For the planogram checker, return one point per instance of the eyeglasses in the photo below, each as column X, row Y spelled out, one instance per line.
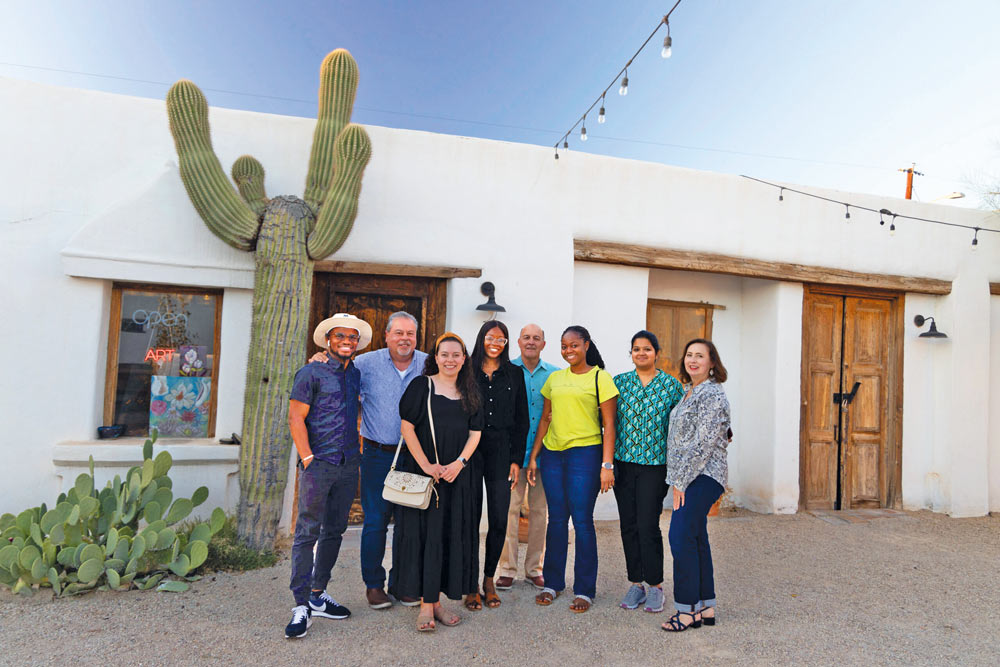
column 495, row 341
column 354, row 338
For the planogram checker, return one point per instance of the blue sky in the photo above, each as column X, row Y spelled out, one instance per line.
column 833, row 94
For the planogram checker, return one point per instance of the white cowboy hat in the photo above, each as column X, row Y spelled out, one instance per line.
column 348, row 322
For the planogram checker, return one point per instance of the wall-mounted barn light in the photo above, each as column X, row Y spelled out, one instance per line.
column 488, row 290
column 933, row 332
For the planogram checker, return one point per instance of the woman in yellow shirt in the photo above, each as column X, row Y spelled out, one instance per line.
column 576, row 462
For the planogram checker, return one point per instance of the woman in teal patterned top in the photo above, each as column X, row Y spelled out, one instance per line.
column 647, row 395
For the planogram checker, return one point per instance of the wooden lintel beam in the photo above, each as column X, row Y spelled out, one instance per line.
column 412, row 270
column 995, row 289
column 606, row 252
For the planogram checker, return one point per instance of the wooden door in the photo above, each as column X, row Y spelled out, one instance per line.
column 374, row 298
column 675, row 323
column 851, row 400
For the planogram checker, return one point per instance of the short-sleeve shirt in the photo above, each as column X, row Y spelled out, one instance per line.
column 382, row 385
column 574, row 407
column 331, row 391
column 533, row 383
column 644, row 416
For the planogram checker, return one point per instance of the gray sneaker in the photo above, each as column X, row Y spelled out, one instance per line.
column 654, row 600
column 635, row 596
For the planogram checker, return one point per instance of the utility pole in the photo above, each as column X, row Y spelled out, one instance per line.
column 909, row 179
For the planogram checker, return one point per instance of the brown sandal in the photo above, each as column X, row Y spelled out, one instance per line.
column 446, row 617
column 473, row 602
column 425, row 623
column 580, row 604
column 546, row 597
column 491, row 598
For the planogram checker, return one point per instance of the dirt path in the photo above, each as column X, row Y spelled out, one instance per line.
column 915, row 589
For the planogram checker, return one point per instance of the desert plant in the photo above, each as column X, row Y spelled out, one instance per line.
column 286, row 236
column 118, row 537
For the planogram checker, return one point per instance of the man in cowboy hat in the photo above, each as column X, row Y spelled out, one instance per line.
column 323, row 418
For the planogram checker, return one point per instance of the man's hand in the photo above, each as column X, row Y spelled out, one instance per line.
column 515, row 471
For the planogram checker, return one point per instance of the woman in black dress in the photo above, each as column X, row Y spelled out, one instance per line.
column 501, row 451
column 435, row 550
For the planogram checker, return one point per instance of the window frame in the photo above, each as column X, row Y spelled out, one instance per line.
column 114, row 338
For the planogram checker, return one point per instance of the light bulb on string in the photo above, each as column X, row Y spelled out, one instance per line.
column 557, row 151
column 667, row 43
column 975, row 240
column 881, row 213
column 623, row 91
column 781, row 194
column 892, row 226
column 600, row 114
column 583, row 130
column 847, row 212
column 565, row 145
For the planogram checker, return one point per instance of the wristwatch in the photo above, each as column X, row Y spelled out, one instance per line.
column 463, row 461
column 608, row 466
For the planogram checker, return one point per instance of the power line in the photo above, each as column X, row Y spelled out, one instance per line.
column 882, row 212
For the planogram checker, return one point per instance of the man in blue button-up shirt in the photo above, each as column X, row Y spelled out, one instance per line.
column 323, row 419
column 531, row 341
column 385, row 374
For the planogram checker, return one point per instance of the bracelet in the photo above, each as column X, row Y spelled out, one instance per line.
column 307, row 458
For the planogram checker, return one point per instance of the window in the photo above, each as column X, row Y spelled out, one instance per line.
column 163, row 350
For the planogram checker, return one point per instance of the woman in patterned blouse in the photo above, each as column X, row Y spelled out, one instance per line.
column 646, row 396
column 696, row 468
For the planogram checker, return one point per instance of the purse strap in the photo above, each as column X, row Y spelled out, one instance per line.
column 430, row 417
column 597, row 390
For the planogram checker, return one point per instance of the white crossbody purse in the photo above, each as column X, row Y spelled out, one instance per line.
column 410, row 489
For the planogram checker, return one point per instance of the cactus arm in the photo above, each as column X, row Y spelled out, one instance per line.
column 338, row 84
column 336, row 217
column 213, row 196
column 248, row 173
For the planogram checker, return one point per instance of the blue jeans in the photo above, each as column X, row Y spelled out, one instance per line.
column 375, row 464
column 326, row 492
column 572, row 480
column 694, row 578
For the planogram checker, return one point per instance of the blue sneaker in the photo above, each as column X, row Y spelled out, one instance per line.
column 301, row 620
column 635, row 596
column 325, row 606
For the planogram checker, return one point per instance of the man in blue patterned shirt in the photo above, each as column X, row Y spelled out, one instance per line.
column 323, row 419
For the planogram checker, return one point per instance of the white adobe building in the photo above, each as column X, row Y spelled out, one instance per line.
column 800, row 302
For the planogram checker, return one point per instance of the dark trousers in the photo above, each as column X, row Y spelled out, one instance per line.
column 572, row 480
column 326, row 492
column 491, row 468
column 694, row 580
column 639, row 492
column 375, row 464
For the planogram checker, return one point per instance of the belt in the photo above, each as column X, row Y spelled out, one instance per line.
column 385, row 448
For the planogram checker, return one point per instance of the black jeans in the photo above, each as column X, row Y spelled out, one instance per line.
column 491, row 465
column 326, row 492
column 639, row 492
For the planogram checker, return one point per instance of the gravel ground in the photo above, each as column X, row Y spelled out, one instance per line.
column 917, row 589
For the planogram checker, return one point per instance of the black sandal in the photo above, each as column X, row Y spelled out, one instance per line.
column 674, row 624
column 708, row 620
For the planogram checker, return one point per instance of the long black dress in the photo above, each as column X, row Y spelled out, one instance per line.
column 435, row 550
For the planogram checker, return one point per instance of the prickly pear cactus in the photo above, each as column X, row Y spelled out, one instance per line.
column 286, row 235
column 91, row 538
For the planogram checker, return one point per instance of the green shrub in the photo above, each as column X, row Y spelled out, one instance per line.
column 92, row 537
column 227, row 552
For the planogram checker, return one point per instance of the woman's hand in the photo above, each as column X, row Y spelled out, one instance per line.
column 319, row 356
column 607, row 479
column 515, row 471
column 678, row 499
column 450, row 472
column 432, row 470
column 531, row 470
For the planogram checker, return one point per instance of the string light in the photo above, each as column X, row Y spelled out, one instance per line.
column 557, row 152
column 881, row 212
column 781, row 194
column 622, row 77
column 565, row 144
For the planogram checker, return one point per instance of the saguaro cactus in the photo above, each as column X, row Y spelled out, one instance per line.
column 286, row 235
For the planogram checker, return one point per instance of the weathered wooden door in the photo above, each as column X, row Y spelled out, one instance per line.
column 851, row 400
column 675, row 323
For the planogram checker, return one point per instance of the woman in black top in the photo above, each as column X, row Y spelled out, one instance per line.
column 498, row 459
column 436, row 550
